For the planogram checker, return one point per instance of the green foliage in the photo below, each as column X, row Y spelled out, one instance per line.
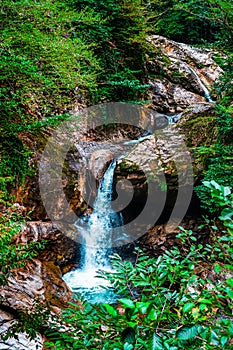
column 121, row 45
column 220, row 155
column 165, row 306
column 14, row 255
column 194, row 21
column 223, row 87
column 45, row 70
column 223, row 197
column 219, row 169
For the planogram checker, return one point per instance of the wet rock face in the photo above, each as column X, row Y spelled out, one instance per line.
column 35, row 282
column 171, row 98
column 153, row 162
column 32, row 289
column 59, row 249
column 73, row 179
column 178, row 63
column 38, row 284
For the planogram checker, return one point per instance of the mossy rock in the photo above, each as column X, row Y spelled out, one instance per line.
column 201, row 131
column 199, row 124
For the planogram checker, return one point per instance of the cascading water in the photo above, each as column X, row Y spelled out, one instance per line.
column 173, row 119
column 98, row 237
column 96, row 230
column 204, row 88
column 142, row 138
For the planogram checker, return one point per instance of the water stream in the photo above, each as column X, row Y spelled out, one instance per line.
column 204, row 88
column 142, row 138
column 96, row 231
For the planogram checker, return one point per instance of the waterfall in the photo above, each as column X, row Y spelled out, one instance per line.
column 96, row 231
column 97, row 237
column 204, row 88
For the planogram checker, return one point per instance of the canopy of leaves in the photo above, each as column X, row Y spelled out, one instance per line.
column 194, row 21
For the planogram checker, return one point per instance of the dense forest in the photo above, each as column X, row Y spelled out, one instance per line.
column 62, row 55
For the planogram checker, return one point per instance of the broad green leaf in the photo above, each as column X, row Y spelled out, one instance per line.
column 188, row 306
column 142, row 284
column 152, row 315
column 215, row 185
column 205, row 301
column 110, row 309
column 217, row 268
column 226, row 191
column 230, row 282
column 186, row 333
column 230, row 294
column 128, row 346
column 207, row 184
column 155, row 343
column 214, row 339
column 226, row 214
column 223, row 340
column 162, row 275
column 143, row 307
column 127, row 303
column 202, row 307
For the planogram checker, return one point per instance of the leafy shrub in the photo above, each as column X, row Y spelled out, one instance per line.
column 220, row 155
column 194, row 21
column 163, row 305
column 120, row 43
column 46, row 68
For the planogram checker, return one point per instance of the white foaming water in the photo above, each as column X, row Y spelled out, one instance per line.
column 204, row 88
column 96, row 231
column 173, row 119
column 86, row 278
column 87, row 284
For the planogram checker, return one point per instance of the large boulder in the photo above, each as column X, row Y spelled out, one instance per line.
column 32, row 289
column 35, row 282
column 170, row 97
